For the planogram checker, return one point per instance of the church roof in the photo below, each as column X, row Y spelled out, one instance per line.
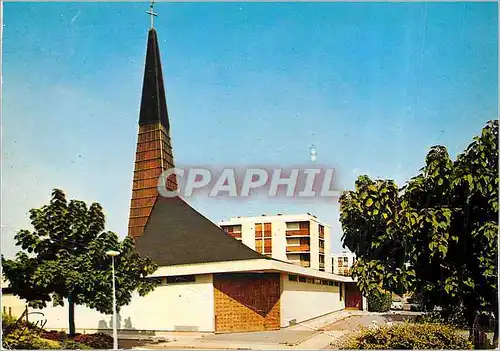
column 177, row 234
column 153, row 103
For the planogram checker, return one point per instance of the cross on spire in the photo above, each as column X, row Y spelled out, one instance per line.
column 152, row 14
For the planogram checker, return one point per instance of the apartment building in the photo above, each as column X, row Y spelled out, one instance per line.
column 341, row 263
column 300, row 239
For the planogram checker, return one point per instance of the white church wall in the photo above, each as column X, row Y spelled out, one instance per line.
column 183, row 307
column 12, row 305
column 303, row 301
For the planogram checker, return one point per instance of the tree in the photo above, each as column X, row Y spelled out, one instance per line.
column 438, row 234
column 65, row 257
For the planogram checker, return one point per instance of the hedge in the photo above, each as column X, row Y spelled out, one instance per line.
column 408, row 336
column 379, row 302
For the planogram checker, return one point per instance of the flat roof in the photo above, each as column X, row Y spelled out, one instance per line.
column 273, row 217
column 255, row 266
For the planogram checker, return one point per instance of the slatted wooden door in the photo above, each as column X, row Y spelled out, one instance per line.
column 247, row 302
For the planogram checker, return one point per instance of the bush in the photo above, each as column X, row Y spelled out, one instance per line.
column 54, row 335
column 379, row 302
column 73, row 345
column 96, row 341
column 8, row 323
column 407, row 336
column 26, row 339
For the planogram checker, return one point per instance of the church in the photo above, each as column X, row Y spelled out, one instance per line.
column 210, row 281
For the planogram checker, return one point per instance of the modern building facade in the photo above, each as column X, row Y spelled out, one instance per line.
column 299, row 239
column 342, row 262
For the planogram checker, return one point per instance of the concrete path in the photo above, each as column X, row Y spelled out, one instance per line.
column 303, row 336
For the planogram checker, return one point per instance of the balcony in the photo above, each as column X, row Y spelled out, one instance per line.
column 300, row 232
column 298, row 248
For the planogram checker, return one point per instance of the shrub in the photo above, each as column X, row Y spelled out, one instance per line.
column 407, row 336
column 54, row 335
column 26, row 339
column 8, row 323
column 73, row 345
column 96, row 341
column 380, row 302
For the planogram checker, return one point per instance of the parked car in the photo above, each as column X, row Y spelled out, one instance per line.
column 397, row 305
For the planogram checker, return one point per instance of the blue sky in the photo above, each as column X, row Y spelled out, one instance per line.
column 373, row 86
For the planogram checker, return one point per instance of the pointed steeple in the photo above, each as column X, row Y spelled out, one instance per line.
column 154, row 149
column 153, row 103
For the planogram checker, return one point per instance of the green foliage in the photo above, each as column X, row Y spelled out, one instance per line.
column 54, row 335
column 73, row 345
column 65, row 257
column 8, row 322
column 27, row 339
column 379, row 302
column 409, row 336
column 96, row 341
column 437, row 235
column 370, row 222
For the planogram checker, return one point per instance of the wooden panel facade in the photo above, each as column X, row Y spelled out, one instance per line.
column 153, row 156
column 247, row 302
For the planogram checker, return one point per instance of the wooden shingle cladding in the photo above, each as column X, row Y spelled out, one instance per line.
column 150, row 162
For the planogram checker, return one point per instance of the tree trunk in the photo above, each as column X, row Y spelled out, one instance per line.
column 471, row 318
column 71, row 315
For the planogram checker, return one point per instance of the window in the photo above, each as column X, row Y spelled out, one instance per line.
column 321, row 230
column 336, row 283
column 258, row 230
column 258, row 245
column 317, row 281
column 324, row 282
column 302, row 279
column 310, row 280
column 232, row 230
column 340, row 291
column 268, row 246
column 181, row 279
column 330, row 283
column 292, row 278
column 292, row 226
column 267, row 230
column 346, row 259
column 259, row 233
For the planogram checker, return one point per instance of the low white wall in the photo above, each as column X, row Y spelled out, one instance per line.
column 13, row 305
column 186, row 306
column 303, row 301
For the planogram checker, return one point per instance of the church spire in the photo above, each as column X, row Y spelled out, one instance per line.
column 153, row 103
column 154, row 150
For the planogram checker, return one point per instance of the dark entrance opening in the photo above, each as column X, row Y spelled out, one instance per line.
column 353, row 297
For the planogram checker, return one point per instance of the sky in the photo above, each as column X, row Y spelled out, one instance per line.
column 372, row 85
